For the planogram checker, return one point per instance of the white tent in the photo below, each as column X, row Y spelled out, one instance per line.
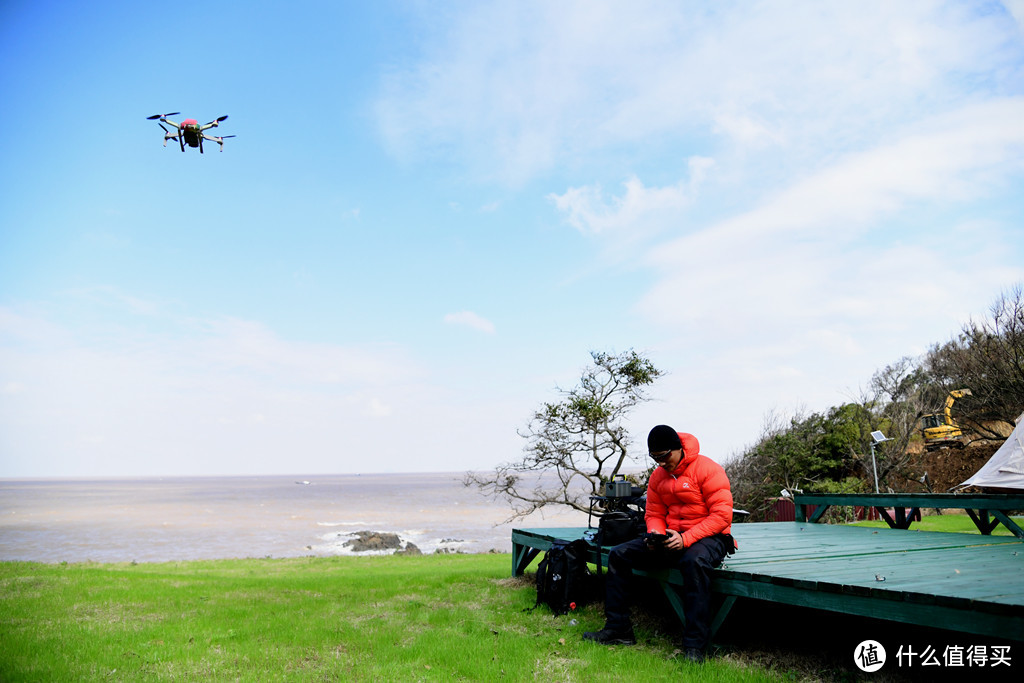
column 1005, row 469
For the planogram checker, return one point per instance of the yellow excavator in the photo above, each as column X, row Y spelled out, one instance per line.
column 940, row 429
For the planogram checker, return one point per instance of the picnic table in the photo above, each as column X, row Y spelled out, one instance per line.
column 906, row 507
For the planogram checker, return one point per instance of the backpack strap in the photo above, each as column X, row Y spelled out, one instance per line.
column 542, row 574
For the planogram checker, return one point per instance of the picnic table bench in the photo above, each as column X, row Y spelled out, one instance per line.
column 906, row 507
column 971, row 583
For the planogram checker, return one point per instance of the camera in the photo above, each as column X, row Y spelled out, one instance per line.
column 620, row 496
column 618, row 487
column 656, row 540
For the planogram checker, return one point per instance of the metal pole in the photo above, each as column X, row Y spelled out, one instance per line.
column 874, row 466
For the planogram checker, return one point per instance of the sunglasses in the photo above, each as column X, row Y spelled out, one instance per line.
column 661, row 456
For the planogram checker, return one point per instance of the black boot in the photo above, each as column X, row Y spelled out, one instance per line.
column 694, row 654
column 608, row 636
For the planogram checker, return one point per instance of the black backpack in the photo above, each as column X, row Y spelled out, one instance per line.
column 563, row 577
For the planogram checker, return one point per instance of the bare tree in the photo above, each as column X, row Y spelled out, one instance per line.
column 897, row 400
column 580, row 439
column 758, row 475
column 987, row 357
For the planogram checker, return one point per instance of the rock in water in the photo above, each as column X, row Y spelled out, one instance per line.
column 373, row 540
column 409, row 549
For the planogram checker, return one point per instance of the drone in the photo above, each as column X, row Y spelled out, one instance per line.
column 189, row 132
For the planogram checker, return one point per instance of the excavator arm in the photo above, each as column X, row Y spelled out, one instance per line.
column 937, row 435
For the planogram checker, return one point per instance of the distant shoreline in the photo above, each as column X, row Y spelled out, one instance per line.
column 150, row 519
column 162, row 477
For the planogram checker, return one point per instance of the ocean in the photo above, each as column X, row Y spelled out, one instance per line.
column 191, row 518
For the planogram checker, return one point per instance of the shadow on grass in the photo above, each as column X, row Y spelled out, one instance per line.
column 815, row 645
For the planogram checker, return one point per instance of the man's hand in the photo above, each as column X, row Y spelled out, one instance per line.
column 675, row 540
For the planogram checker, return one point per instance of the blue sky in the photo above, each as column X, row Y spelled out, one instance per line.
column 433, row 212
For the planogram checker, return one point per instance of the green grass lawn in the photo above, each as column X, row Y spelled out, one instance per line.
column 436, row 617
column 953, row 523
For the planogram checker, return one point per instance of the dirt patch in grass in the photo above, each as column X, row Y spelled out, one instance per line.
column 523, row 581
column 947, row 467
column 130, row 617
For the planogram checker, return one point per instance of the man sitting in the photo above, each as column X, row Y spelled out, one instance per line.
column 689, row 520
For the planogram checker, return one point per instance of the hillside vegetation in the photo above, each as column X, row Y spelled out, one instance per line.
column 834, row 452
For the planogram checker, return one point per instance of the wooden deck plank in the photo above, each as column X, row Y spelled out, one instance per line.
column 777, row 540
column 929, row 563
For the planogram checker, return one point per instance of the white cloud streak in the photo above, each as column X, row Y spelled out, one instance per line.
column 227, row 394
column 588, row 211
column 471, row 320
column 799, row 244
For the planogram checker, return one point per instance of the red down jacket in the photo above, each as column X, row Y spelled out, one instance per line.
column 695, row 499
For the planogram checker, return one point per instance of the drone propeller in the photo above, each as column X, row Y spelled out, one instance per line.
column 154, row 117
column 219, row 139
column 222, row 118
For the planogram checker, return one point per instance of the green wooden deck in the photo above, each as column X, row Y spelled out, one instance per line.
column 968, row 583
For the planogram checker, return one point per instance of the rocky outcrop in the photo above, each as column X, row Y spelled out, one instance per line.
column 378, row 541
column 365, row 541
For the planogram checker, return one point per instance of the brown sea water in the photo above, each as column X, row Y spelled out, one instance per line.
column 187, row 518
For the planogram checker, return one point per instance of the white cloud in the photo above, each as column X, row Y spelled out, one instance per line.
column 513, row 90
column 747, row 130
column 805, row 247
column 1016, row 8
column 876, row 256
column 112, row 298
column 377, row 408
column 637, row 209
column 200, row 397
column 836, row 228
column 470, row 320
column 231, row 343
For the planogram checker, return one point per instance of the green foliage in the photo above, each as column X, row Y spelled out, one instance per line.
column 843, row 430
column 309, row 619
column 847, row 485
column 839, row 514
column 808, row 453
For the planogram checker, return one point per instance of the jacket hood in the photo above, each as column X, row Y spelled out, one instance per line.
column 691, row 449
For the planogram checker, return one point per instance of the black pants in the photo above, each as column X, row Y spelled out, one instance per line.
column 695, row 563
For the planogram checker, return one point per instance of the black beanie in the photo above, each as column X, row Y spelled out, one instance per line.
column 663, row 438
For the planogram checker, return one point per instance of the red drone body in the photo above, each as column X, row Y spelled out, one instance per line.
column 189, row 132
